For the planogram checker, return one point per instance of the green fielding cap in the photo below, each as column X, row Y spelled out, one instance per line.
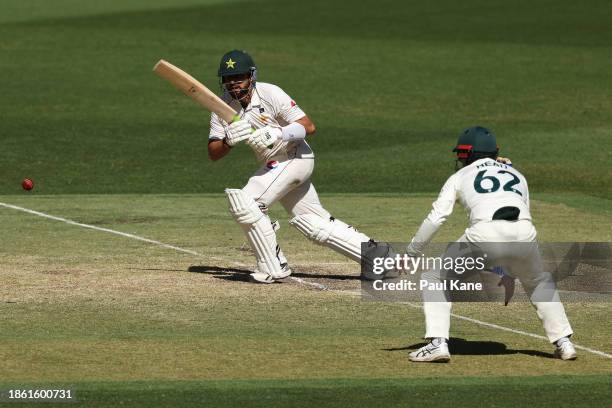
column 236, row 62
column 478, row 138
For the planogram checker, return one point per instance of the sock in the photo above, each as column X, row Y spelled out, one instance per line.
column 562, row 340
column 436, row 341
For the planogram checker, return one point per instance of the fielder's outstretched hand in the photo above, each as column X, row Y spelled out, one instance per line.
column 237, row 131
column 265, row 137
column 509, row 284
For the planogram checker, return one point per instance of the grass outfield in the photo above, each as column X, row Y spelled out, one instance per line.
column 122, row 320
column 389, row 85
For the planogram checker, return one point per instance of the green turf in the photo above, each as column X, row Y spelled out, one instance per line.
column 36, row 10
column 422, row 392
column 389, row 85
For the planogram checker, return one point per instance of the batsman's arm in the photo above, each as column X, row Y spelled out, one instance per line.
column 218, row 140
column 308, row 125
column 217, row 149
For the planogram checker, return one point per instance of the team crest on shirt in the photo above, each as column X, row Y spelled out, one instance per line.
column 272, row 164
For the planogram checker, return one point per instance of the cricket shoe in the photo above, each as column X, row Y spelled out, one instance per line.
column 262, row 277
column 432, row 352
column 566, row 351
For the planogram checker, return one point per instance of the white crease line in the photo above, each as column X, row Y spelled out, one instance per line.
column 299, row 280
column 303, row 282
column 123, row 234
column 143, row 239
column 327, row 263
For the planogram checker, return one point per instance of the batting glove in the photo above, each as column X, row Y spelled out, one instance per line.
column 237, row 131
column 264, row 137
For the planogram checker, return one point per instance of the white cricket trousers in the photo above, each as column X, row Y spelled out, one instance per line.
column 518, row 263
column 288, row 182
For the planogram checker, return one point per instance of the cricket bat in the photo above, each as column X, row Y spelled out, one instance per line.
column 195, row 90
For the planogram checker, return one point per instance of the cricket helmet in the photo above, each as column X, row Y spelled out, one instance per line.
column 476, row 143
column 236, row 62
column 236, row 67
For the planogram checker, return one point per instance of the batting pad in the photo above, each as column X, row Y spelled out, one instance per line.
column 258, row 229
column 333, row 233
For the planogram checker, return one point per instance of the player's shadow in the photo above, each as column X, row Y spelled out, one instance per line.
column 230, row 274
column 325, row 276
column 235, row 274
column 464, row 347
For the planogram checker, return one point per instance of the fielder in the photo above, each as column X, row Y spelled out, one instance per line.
column 496, row 198
column 275, row 127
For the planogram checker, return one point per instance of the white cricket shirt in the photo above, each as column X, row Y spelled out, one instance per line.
column 269, row 106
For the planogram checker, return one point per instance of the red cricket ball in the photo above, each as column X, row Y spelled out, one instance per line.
column 27, row 184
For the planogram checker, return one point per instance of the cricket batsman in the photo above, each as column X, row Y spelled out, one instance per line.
column 496, row 198
column 275, row 127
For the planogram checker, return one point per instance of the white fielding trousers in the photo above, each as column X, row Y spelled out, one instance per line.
column 519, row 261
